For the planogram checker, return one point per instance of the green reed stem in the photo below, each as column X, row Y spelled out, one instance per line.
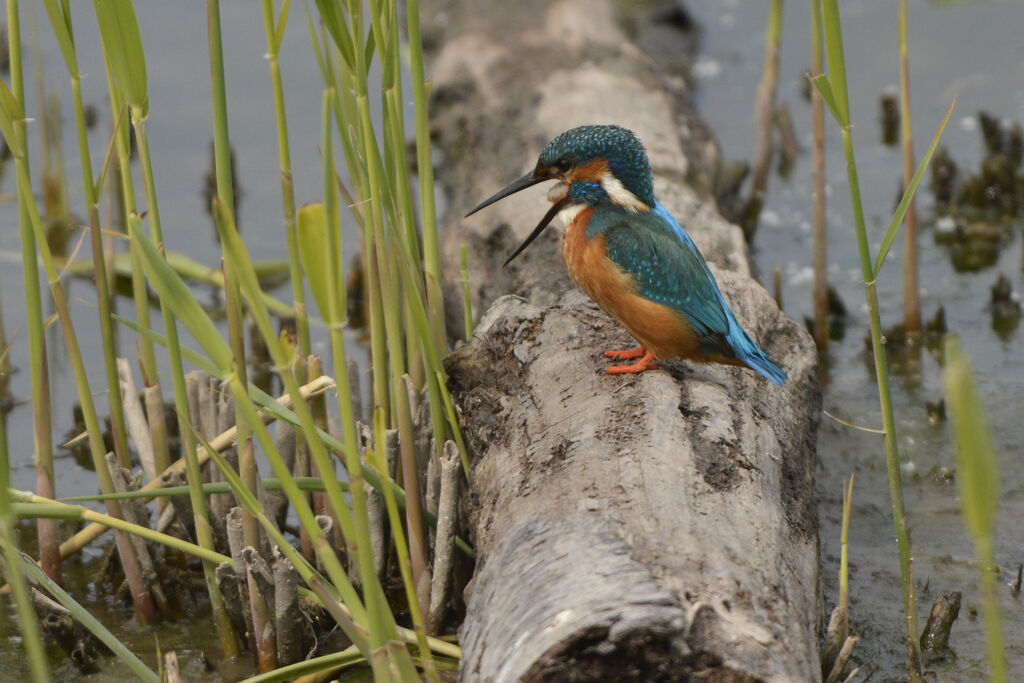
column 425, row 173
column 221, row 146
column 236, row 331
column 210, row 488
column 978, row 480
column 171, row 288
column 124, row 57
column 140, row 296
column 136, row 97
column 911, row 293
column 28, row 620
column 764, row 111
column 41, row 407
column 225, row 195
column 467, row 299
column 839, row 105
column 204, row 534
column 821, row 332
column 140, row 593
column 358, row 530
column 61, row 24
column 274, row 37
column 332, row 663
column 32, row 505
column 376, row 459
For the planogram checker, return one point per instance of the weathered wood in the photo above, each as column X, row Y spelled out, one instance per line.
column 658, row 527
column 288, row 618
column 171, row 670
column 135, row 419
column 136, row 512
column 78, row 643
column 935, row 636
column 444, row 546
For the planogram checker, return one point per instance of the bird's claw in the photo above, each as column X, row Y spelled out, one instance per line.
column 628, row 354
column 645, row 363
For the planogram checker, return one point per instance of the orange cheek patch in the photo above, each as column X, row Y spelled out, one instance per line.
column 591, row 173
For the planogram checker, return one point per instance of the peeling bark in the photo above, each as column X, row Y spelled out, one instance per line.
column 658, row 527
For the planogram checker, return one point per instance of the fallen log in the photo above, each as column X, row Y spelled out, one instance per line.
column 657, row 527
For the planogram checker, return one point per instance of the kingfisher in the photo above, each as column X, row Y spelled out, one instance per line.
column 631, row 256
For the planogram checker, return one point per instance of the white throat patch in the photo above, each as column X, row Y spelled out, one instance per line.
column 569, row 213
column 621, row 196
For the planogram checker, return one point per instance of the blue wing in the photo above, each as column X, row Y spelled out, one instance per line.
column 670, row 270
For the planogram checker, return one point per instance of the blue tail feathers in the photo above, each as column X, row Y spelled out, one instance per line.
column 756, row 359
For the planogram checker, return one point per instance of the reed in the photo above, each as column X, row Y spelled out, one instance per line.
column 401, row 258
column 978, row 480
column 832, row 88
column 911, row 288
column 818, row 195
column 31, row 640
column 41, row 407
column 764, row 113
column 274, row 29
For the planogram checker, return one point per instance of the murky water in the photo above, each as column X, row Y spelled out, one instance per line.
column 971, row 51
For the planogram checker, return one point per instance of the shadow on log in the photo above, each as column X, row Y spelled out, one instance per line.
column 646, row 528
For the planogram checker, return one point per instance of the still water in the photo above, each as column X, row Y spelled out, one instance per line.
column 972, row 51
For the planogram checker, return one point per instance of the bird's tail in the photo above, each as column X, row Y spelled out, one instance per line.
column 756, row 359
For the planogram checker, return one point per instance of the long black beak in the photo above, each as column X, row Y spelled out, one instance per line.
column 528, row 180
column 552, row 212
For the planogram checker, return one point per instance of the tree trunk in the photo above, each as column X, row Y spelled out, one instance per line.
column 652, row 527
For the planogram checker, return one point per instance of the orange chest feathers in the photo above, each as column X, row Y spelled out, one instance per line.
column 589, row 265
column 662, row 330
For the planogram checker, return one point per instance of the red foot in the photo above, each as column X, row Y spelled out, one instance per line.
column 645, row 363
column 626, row 355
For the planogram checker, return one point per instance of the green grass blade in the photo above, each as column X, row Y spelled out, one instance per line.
column 90, row 622
column 173, row 291
column 975, row 457
column 281, row 23
column 323, row 664
column 314, row 252
column 836, row 62
column 122, row 44
column 901, row 210
column 824, row 88
column 61, row 26
column 304, row 483
column 334, row 22
column 42, row 507
column 978, row 477
column 10, row 111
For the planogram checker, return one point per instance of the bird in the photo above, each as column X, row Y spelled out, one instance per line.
column 631, row 256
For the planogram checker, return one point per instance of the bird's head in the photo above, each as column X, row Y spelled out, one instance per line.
column 592, row 164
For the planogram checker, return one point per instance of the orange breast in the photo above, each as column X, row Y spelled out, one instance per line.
column 664, row 331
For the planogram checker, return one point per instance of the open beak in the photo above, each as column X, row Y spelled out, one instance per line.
column 552, row 212
column 528, row 180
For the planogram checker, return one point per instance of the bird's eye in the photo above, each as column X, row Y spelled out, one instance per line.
column 563, row 165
